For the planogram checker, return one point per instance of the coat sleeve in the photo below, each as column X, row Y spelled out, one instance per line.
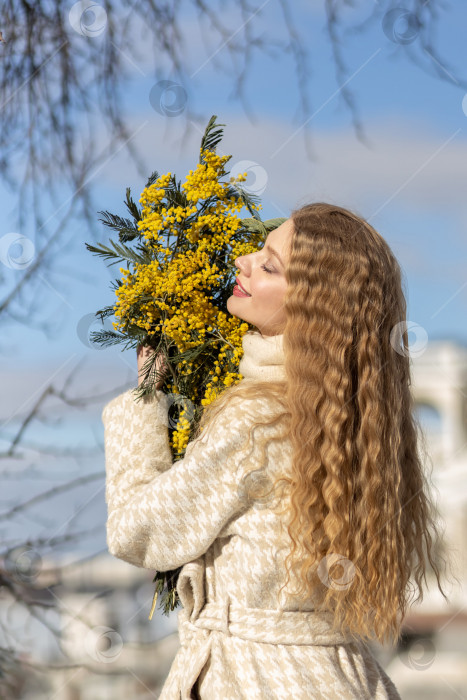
column 163, row 514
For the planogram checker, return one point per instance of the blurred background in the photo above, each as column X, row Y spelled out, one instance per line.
column 361, row 104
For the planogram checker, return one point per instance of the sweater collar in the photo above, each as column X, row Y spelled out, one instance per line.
column 263, row 357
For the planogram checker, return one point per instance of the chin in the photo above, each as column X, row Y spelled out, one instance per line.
column 229, row 309
column 229, row 302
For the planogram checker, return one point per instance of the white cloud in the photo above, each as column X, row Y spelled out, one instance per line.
column 406, row 164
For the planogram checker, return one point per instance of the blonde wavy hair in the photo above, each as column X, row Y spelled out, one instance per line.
column 358, row 500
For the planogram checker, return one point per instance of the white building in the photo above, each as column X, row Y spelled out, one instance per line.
column 433, row 663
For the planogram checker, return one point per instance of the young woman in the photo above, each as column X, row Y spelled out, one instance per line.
column 300, row 510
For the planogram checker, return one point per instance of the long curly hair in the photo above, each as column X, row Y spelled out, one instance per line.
column 359, row 512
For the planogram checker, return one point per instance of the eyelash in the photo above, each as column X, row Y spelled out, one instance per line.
column 263, row 267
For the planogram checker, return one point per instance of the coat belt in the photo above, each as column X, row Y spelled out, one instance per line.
column 199, row 622
column 262, row 625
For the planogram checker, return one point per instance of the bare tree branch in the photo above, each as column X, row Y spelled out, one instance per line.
column 63, row 83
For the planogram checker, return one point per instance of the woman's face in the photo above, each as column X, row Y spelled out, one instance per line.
column 262, row 275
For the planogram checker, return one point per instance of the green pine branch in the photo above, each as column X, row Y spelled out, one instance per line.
column 102, row 314
column 166, row 585
column 107, row 337
column 263, row 227
column 127, row 229
column 271, row 224
column 152, row 178
column 119, row 253
column 212, row 136
column 174, row 194
column 132, row 207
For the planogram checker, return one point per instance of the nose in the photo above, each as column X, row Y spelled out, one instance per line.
column 239, row 262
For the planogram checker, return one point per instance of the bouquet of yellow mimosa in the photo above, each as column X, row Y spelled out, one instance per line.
column 177, row 254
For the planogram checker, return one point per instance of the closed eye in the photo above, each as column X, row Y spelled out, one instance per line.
column 263, row 267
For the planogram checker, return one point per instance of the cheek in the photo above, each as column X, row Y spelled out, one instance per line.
column 267, row 292
column 261, row 289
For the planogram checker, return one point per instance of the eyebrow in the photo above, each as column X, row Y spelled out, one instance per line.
column 273, row 252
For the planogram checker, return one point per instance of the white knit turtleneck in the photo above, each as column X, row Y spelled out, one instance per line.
column 263, row 357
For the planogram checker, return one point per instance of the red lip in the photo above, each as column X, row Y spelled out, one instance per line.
column 242, row 288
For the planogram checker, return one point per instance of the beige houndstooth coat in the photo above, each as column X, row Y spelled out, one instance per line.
column 239, row 638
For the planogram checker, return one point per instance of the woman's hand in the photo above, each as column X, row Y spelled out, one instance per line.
column 142, row 354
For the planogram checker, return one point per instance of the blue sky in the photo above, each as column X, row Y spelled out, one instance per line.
column 407, row 116
column 409, row 181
